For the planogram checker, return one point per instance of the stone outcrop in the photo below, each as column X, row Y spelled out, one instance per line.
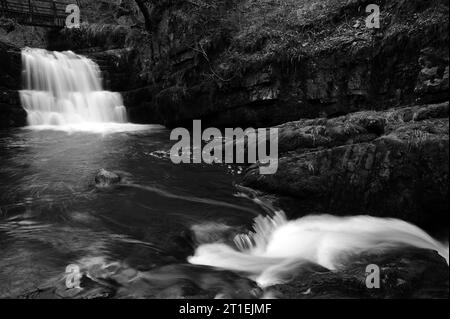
column 390, row 163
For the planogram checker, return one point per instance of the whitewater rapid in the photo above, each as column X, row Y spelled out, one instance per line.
column 276, row 245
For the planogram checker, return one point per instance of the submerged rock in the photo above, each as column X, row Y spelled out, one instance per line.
column 106, row 178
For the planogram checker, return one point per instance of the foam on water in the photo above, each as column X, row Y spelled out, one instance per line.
column 100, row 128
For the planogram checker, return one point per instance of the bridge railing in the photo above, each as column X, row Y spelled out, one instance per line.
column 36, row 12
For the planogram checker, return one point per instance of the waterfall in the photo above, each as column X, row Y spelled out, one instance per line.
column 63, row 88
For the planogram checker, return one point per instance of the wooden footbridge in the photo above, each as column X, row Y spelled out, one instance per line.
column 44, row 13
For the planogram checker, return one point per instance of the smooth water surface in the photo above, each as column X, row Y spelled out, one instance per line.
column 51, row 214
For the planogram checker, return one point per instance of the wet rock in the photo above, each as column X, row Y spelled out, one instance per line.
column 170, row 281
column 191, row 281
column 183, row 289
column 389, row 164
column 105, row 178
column 89, row 289
column 11, row 112
column 404, row 273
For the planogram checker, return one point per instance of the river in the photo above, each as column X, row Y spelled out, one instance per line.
column 166, row 230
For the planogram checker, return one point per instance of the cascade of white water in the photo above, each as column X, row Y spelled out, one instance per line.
column 277, row 245
column 63, row 88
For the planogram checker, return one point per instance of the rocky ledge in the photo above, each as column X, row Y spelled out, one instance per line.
column 390, row 163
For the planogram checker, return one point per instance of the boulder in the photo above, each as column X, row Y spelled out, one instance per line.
column 105, row 178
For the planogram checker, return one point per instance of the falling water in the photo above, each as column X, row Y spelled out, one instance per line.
column 63, row 88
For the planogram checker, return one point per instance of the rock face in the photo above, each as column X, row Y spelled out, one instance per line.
column 11, row 112
column 249, row 71
column 243, row 63
column 392, row 163
column 221, row 61
column 232, row 68
column 105, row 178
column 22, row 35
column 13, row 37
column 409, row 273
